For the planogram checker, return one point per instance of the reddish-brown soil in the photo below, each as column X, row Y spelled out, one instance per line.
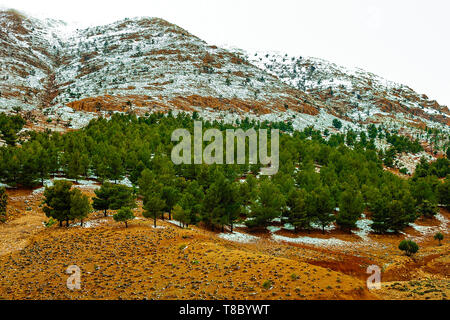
column 141, row 262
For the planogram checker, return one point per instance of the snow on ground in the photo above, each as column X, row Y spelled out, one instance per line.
column 125, row 182
column 273, row 229
column 317, row 226
column 429, row 230
column 90, row 224
column 81, row 184
column 410, row 161
column 175, row 222
column 238, row 237
column 363, row 228
column 331, row 242
column 288, row 226
column 240, row 225
column 158, row 227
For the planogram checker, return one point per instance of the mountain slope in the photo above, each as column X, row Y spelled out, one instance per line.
column 144, row 62
column 148, row 64
column 353, row 94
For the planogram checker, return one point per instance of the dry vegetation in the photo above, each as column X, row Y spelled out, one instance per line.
column 168, row 262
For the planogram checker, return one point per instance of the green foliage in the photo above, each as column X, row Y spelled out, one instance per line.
column 80, row 206
column 409, row 247
column 337, row 124
column 3, row 204
column 393, row 215
column 444, row 193
column 403, row 144
column 122, row 196
column 57, row 201
column 102, row 201
column 181, row 215
column 124, row 215
column 50, row 223
column 439, row 237
column 9, row 127
column 427, row 209
column 113, row 196
column 267, row 206
column 320, row 205
column 221, row 205
column 170, row 195
column 63, row 204
column 139, row 148
column 351, row 206
column 153, row 206
column 267, row 284
column 372, row 131
column 439, row 168
column 298, row 215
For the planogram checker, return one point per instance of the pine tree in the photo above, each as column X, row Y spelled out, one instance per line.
column 80, row 207
column 427, row 209
column 393, row 215
column 180, row 215
column 122, row 196
column 170, row 195
column 9, row 127
column 439, row 237
column 102, row 201
column 124, row 215
column 57, row 201
column 444, row 193
column 153, row 206
column 74, row 166
column 147, row 182
column 221, row 203
column 321, row 206
column 3, row 204
column 267, row 206
column 192, row 201
column 298, row 214
column 115, row 166
column 351, row 206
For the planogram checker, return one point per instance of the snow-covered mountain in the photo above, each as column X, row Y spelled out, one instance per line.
column 353, row 94
column 148, row 64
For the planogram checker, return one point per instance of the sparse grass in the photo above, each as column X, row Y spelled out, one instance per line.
column 267, row 284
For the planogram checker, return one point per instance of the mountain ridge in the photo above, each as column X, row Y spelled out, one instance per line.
column 147, row 64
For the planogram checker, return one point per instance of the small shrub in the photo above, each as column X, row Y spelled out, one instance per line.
column 439, row 237
column 409, row 246
column 267, row 284
column 337, row 124
column 50, row 223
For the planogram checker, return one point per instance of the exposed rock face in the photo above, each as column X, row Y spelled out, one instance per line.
column 149, row 64
column 136, row 62
column 351, row 93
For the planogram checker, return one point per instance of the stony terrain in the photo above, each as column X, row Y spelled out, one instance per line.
column 141, row 262
column 148, row 64
column 59, row 77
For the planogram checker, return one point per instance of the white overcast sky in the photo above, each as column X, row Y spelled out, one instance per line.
column 407, row 41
